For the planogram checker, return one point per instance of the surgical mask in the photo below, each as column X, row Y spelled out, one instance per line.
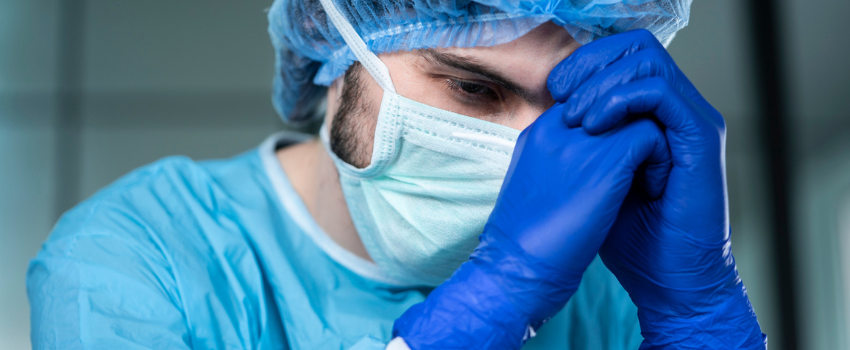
column 433, row 179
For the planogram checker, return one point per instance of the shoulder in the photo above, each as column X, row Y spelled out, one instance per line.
column 128, row 222
column 159, row 194
column 140, row 202
column 142, row 252
column 150, row 216
column 107, row 266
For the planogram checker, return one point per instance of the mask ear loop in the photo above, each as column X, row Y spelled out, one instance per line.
column 367, row 58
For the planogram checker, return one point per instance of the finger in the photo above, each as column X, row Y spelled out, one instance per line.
column 546, row 124
column 570, row 73
column 655, row 158
column 654, row 176
column 694, row 140
column 656, row 169
column 641, row 65
column 654, row 95
column 595, row 175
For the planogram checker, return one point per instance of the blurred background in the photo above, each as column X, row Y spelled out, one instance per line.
column 91, row 89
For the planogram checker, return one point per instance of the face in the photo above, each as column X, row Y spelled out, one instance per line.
column 503, row 84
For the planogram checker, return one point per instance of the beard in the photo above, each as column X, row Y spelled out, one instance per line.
column 352, row 131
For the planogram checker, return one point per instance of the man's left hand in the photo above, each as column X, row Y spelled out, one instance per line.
column 672, row 254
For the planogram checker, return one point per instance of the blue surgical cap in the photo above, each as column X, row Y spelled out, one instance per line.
column 310, row 52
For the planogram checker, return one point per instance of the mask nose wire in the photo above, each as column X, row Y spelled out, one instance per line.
column 367, row 58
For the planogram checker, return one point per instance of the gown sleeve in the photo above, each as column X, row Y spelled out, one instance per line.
column 94, row 287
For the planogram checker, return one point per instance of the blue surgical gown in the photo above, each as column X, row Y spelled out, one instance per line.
column 224, row 255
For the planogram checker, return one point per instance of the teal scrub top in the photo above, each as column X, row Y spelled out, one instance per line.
column 223, row 254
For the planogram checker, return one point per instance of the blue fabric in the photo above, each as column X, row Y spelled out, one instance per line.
column 311, row 53
column 214, row 255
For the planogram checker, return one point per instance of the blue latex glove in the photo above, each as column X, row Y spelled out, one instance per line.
column 672, row 254
column 559, row 199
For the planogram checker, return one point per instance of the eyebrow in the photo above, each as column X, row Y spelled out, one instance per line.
column 472, row 65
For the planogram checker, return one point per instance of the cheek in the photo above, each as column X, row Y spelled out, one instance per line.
column 353, row 124
column 526, row 115
column 369, row 118
column 371, row 98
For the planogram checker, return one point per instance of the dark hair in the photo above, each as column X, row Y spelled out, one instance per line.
column 353, row 130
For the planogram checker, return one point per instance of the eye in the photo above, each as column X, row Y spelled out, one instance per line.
column 472, row 90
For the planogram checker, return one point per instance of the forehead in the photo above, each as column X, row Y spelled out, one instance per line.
column 531, row 56
column 546, row 41
column 527, row 59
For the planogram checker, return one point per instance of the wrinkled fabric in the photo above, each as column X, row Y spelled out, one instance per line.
column 310, row 53
column 224, row 255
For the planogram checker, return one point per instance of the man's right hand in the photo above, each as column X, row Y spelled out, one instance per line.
column 560, row 197
column 672, row 254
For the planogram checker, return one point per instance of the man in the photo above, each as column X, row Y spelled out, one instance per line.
column 481, row 128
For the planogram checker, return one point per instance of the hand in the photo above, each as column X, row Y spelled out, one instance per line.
column 672, row 254
column 560, row 197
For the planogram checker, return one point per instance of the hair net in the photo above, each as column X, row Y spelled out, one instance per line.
column 310, row 51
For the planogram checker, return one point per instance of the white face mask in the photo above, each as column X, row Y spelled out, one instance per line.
column 432, row 182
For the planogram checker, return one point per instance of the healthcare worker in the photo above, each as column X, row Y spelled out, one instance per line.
column 476, row 168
